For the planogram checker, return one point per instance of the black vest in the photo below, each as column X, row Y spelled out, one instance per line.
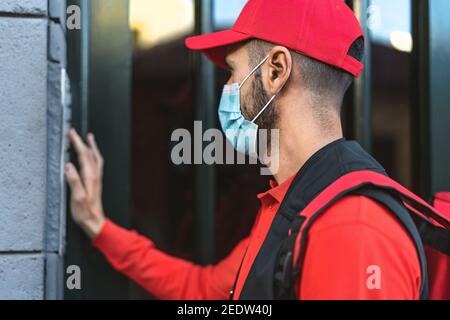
column 265, row 281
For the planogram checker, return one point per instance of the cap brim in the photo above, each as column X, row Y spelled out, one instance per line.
column 214, row 45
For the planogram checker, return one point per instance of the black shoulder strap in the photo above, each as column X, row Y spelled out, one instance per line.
column 284, row 283
column 403, row 215
column 320, row 171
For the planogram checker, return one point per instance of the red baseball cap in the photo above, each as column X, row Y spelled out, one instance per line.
column 321, row 29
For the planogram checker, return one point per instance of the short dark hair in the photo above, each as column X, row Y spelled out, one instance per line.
column 325, row 82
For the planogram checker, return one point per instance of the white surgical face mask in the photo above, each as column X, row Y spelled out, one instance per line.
column 241, row 132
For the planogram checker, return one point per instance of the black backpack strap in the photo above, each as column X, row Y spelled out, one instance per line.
column 287, row 273
column 403, row 215
column 324, row 168
column 284, row 275
column 434, row 237
column 233, row 289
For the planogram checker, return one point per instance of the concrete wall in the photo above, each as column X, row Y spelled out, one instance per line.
column 33, row 116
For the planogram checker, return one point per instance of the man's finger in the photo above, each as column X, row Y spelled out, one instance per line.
column 77, row 142
column 93, row 145
column 73, row 178
column 85, row 155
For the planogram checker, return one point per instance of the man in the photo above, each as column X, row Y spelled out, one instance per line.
column 290, row 64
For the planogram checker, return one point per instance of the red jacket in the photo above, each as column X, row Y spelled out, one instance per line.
column 354, row 238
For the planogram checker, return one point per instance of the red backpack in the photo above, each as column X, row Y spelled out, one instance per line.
column 439, row 260
column 429, row 227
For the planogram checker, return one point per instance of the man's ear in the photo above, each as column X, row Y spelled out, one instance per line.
column 279, row 69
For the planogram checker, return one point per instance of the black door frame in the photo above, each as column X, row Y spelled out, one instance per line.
column 431, row 96
column 99, row 66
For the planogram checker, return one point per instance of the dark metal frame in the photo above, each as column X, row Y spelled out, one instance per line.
column 99, row 66
column 431, row 95
column 421, row 96
column 205, row 175
column 362, row 88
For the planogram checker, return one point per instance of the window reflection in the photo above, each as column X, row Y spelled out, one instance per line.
column 154, row 22
column 163, row 100
column 391, row 44
column 162, row 84
column 226, row 12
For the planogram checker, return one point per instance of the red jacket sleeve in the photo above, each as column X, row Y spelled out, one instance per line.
column 164, row 276
column 359, row 251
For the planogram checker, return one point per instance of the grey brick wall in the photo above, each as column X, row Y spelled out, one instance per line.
column 22, row 7
column 32, row 219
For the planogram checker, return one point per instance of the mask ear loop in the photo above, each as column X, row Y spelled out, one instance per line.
column 253, row 71
column 268, row 104
column 265, row 107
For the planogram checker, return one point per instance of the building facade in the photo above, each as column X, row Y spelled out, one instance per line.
column 34, row 109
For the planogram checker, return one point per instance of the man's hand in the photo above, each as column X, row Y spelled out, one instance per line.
column 86, row 202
